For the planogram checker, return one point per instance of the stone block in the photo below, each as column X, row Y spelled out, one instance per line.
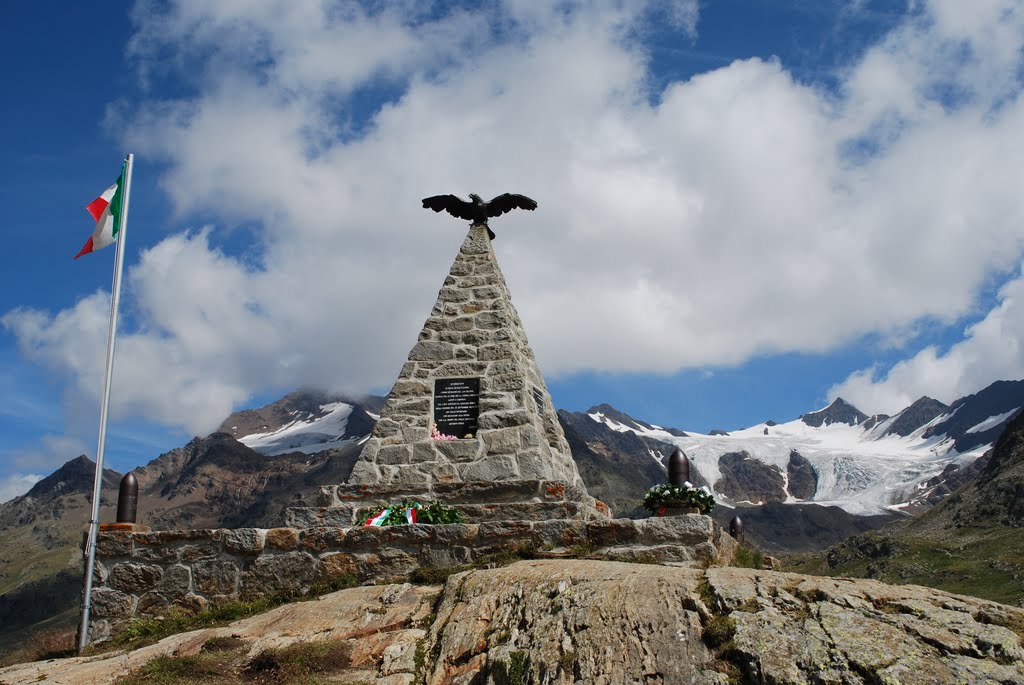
column 337, row 565
column 458, row 450
column 211, row 535
column 114, row 544
column 432, row 351
column 317, row 540
column 193, row 604
column 473, row 492
column 460, row 369
column 445, row 473
column 492, row 320
column 477, row 338
column 504, row 419
column 414, row 405
column 463, row 323
column 495, row 352
column 411, row 388
column 151, row 603
column 386, row 428
column 689, row 529
column 561, row 533
column 337, row 516
column 532, row 464
column 414, row 434
column 424, row 452
column 176, row 582
column 498, row 467
column 502, row 440
column 156, row 553
column 278, row 572
column 215, row 577
column 489, row 292
column 508, row 382
column 442, row 557
column 189, row 553
column 612, row 533
column 491, row 532
column 326, row 495
column 363, row 538
column 244, row 540
column 111, row 604
column 396, row 454
column 282, row 538
column 454, row 295
column 134, row 578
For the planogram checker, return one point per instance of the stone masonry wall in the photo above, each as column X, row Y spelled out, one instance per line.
column 144, row 574
column 473, row 332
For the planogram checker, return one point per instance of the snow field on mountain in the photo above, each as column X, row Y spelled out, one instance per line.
column 309, row 434
column 859, row 471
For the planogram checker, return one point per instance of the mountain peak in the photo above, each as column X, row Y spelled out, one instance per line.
column 76, row 475
column 922, row 411
column 840, row 411
column 613, row 414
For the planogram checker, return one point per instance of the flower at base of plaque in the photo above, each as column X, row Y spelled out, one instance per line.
column 438, row 435
column 467, row 436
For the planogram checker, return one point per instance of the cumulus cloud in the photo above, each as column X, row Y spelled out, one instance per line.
column 992, row 349
column 738, row 213
column 17, row 484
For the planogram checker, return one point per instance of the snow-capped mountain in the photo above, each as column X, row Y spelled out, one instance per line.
column 304, row 421
column 862, row 464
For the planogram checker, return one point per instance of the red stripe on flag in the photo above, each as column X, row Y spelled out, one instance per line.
column 96, row 208
column 86, row 249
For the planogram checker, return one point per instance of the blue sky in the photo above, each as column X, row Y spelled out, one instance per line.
column 747, row 208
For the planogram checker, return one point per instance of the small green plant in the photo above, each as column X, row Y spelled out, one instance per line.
column 719, row 631
column 663, row 495
column 748, row 557
column 298, row 662
column 399, row 514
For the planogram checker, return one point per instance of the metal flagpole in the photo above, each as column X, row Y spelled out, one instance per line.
column 94, row 518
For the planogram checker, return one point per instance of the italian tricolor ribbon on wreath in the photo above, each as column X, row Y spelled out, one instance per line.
column 378, row 520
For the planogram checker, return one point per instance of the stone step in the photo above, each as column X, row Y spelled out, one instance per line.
column 345, row 515
column 473, row 492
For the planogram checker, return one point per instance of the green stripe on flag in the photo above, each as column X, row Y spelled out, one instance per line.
column 116, row 203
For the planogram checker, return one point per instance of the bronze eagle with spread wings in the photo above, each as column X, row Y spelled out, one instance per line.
column 478, row 211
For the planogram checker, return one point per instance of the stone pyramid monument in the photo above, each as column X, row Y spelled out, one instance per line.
column 469, row 421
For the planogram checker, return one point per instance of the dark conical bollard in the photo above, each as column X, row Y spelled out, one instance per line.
column 736, row 528
column 128, row 499
column 678, row 468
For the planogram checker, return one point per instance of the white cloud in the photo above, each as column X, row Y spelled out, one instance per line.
column 992, row 349
column 737, row 213
column 17, row 484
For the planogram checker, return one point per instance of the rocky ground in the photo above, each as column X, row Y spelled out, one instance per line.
column 573, row 621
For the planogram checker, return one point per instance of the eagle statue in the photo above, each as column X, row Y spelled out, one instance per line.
column 478, row 211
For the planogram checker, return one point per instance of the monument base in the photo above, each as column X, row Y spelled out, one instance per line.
column 478, row 502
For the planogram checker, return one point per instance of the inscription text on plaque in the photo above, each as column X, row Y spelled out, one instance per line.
column 457, row 406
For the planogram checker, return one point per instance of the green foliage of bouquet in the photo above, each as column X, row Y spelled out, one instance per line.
column 667, row 495
column 395, row 514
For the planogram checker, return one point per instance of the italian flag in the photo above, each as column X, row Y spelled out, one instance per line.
column 106, row 210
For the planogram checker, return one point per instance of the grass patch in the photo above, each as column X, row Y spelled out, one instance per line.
column 209, row 668
column 746, row 556
column 719, row 631
column 980, row 564
column 302, row 662
column 149, row 630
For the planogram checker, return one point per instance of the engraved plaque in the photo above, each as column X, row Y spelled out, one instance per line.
column 538, row 397
column 457, row 406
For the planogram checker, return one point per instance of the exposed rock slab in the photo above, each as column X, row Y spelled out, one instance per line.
column 571, row 621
